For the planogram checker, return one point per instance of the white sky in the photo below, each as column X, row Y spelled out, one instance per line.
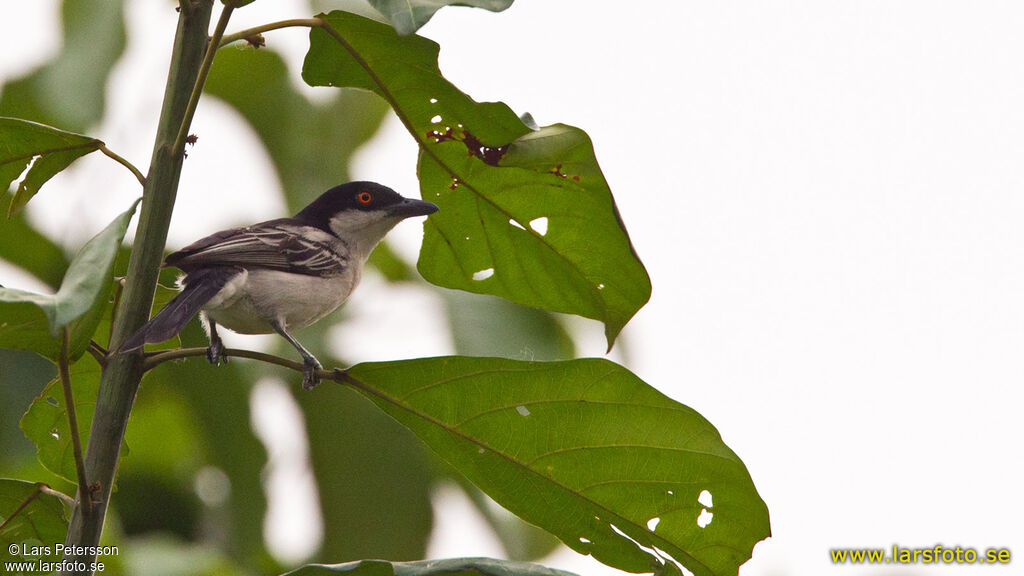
column 828, row 198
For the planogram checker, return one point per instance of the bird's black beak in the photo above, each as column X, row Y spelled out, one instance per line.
column 410, row 207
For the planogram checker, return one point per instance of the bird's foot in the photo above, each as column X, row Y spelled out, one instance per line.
column 309, row 376
column 216, row 353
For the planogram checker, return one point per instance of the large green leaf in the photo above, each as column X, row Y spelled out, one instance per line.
column 69, row 91
column 31, row 517
column 407, row 16
column 447, row 567
column 525, row 214
column 30, row 321
column 585, row 450
column 42, row 149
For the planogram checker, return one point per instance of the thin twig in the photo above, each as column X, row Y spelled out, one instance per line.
column 204, row 70
column 27, row 501
column 98, row 352
column 154, row 359
column 56, row 493
column 84, row 494
column 125, row 163
column 295, row 22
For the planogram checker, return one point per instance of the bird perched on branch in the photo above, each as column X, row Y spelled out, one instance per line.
column 281, row 275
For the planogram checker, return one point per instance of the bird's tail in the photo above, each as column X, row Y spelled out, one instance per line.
column 199, row 287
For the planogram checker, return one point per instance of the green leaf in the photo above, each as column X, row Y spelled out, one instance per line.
column 447, row 567
column 23, row 246
column 46, row 421
column 31, row 515
column 585, row 450
column 407, row 16
column 32, row 321
column 69, row 91
column 42, row 149
column 525, row 215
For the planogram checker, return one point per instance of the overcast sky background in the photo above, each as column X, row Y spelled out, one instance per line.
column 828, row 196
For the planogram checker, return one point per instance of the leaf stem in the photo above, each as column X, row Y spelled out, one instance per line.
column 295, row 22
column 204, row 70
column 117, row 158
column 98, row 352
column 84, row 494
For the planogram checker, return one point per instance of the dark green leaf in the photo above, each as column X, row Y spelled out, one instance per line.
column 585, row 450
column 32, row 515
column 46, row 422
column 446, row 567
column 70, row 90
column 525, row 215
column 32, row 321
column 407, row 16
column 23, row 246
column 42, row 149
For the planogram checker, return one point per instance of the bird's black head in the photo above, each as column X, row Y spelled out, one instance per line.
column 362, row 197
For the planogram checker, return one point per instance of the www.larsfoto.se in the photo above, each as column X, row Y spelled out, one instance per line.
column 934, row 555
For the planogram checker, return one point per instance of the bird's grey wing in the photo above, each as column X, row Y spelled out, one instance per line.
column 271, row 245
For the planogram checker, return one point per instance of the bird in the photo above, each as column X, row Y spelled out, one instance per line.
column 280, row 275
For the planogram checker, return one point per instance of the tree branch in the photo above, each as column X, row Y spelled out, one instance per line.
column 204, row 70
column 84, row 494
column 123, row 372
column 154, row 359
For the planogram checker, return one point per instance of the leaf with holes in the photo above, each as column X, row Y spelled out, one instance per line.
column 30, row 321
column 40, row 148
column 585, row 450
column 407, row 16
column 525, row 214
column 446, row 567
column 45, row 423
column 31, row 516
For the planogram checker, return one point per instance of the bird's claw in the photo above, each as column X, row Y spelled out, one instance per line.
column 309, row 376
column 216, row 354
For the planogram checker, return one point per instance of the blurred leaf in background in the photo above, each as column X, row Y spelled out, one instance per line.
column 70, row 91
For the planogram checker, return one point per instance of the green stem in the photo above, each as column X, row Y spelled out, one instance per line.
column 204, row 70
column 123, row 372
column 63, row 364
column 117, row 158
column 243, row 34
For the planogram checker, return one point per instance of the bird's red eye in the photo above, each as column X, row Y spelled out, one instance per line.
column 364, row 197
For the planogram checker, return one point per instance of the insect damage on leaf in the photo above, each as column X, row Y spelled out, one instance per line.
column 491, row 155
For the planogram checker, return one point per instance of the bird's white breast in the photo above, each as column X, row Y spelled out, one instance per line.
column 250, row 300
